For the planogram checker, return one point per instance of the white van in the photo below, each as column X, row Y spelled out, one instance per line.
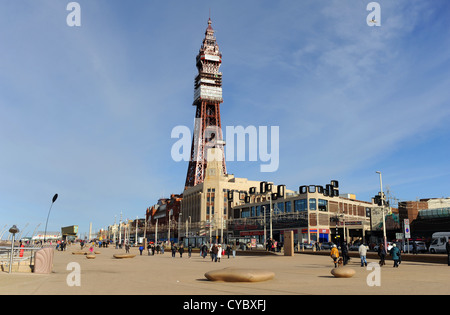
column 438, row 245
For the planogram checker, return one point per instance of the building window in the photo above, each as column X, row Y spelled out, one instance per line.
column 279, row 208
column 323, row 205
column 245, row 213
column 265, row 210
column 288, row 207
column 312, row 204
column 300, row 205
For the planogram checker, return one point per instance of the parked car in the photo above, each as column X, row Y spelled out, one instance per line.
column 259, row 246
column 306, row 245
column 326, row 245
column 439, row 242
column 389, row 246
column 356, row 246
column 421, row 247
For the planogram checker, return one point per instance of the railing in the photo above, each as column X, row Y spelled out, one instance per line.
column 27, row 254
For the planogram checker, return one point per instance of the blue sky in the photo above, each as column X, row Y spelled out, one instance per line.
column 87, row 112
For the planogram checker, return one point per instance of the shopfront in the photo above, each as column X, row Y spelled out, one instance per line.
column 315, row 235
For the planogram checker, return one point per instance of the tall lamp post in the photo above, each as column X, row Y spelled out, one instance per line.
column 53, row 201
column 382, row 209
column 13, row 230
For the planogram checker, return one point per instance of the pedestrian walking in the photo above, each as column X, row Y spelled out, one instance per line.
column 334, row 255
column 382, row 254
column 181, row 250
column 214, row 251
column 141, row 248
column 345, row 256
column 189, row 250
column 362, row 249
column 228, row 250
column 414, row 246
column 395, row 253
column 219, row 252
column 233, row 249
column 174, row 250
column 204, row 251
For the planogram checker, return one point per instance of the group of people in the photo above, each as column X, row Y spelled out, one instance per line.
column 60, row 245
column 180, row 249
column 273, row 245
column 152, row 249
column 216, row 251
column 362, row 249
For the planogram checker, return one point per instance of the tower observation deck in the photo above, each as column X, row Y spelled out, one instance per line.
column 207, row 100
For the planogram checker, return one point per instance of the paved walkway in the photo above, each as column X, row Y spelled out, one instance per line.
column 163, row 275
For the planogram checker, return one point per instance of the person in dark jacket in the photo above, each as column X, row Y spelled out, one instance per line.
column 414, row 248
column 214, row 250
column 181, row 250
column 174, row 250
column 382, row 254
column 395, row 253
column 204, row 250
column 228, row 251
column 345, row 256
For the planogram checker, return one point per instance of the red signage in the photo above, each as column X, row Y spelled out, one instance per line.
column 251, row 233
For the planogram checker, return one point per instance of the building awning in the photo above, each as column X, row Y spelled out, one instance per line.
column 434, row 213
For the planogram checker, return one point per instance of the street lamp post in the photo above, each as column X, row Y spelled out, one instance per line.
column 156, row 232
column 136, row 236
column 53, row 201
column 382, row 209
column 270, row 215
column 13, row 230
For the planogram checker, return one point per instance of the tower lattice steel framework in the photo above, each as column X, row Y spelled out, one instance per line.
column 207, row 99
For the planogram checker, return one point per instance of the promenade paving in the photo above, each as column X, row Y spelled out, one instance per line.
column 163, row 275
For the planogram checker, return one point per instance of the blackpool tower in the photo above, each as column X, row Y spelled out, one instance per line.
column 207, row 100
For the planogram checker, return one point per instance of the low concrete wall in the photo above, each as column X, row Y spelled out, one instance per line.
column 20, row 266
column 427, row 258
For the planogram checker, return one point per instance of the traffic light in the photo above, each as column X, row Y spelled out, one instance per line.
column 377, row 200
